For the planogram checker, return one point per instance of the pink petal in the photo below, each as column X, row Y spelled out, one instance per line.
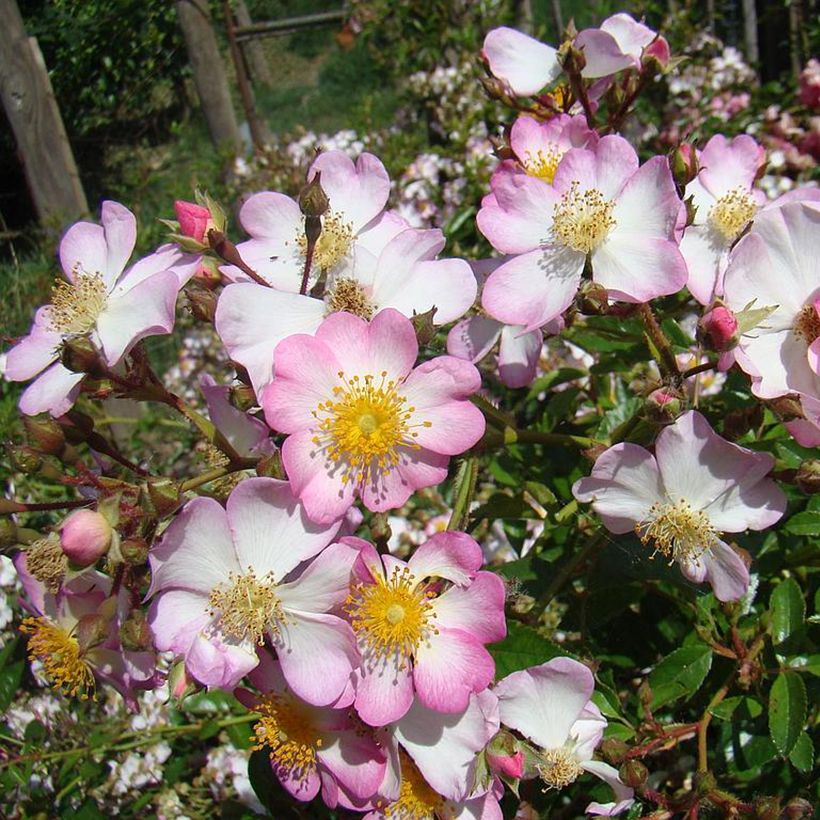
column 271, row 216
column 526, row 64
column 623, row 794
column 728, row 164
column 384, row 692
column 602, row 53
column 624, row 484
column 270, row 528
column 176, row 617
column 726, row 572
column 392, row 344
column 325, row 582
column 448, row 667
column 454, row 556
column 54, row 391
column 33, row 353
column 518, row 355
column 218, row 665
column 356, row 761
column 473, row 338
column 145, row 310
column 246, row 434
column 703, row 251
column 416, row 469
column 120, row 228
column 477, row 609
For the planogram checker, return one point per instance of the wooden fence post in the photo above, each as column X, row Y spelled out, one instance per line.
column 209, row 72
column 28, row 100
column 253, row 50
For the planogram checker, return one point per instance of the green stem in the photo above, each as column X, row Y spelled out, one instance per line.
column 512, row 436
column 666, row 356
column 465, row 489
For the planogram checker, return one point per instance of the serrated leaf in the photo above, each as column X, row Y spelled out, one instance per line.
column 804, row 523
column 787, row 711
column 523, row 647
column 788, row 610
column 738, row 708
column 802, row 755
column 680, row 674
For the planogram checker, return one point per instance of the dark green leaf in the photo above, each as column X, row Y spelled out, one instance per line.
column 541, row 493
column 522, row 647
column 738, row 708
column 802, row 755
column 10, row 677
column 680, row 674
column 806, row 663
column 787, row 711
column 804, row 523
column 788, row 610
column 500, row 505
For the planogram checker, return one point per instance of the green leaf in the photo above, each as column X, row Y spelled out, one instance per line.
column 680, row 674
column 804, row 523
column 738, row 708
column 805, row 663
column 788, row 610
column 802, row 755
column 501, row 505
column 10, row 677
column 523, row 647
column 787, row 711
column 541, row 493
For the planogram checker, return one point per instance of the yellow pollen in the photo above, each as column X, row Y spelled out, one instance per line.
column 392, row 616
column 364, row 426
column 333, row 243
column 543, row 163
column 678, row 532
column 582, row 219
column 76, row 306
column 247, row 607
column 807, row 323
column 417, row 800
column 732, row 213
column 61, row 657
column 47, row 562
column 558, row 768
column 287, row 731
column 348, row 295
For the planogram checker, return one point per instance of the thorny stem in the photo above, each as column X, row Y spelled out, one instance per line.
column 227, row 251
column 465, row 489
column 8, row 507
column 700, row 368
column 666, row 356
column 669, row 735
column 215, row 473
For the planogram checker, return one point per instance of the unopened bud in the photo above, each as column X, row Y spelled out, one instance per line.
column 614, row 749
column 505, row 757
column 656, row 55
column 208, row 274
column 180, row 683
column 593, row 299
column 242, row 397
column 424, row 327
column 718, row 329
column 571, row 58
column 797, row 809
column 24, row 459
column 787, row 407
column 79, row 355
column 664, row 404
column 766, row 807
column 271, row 466
column 807, row 477
column 164, row 495
column 135, row 634
column 45, row 434
column 633, row 773
column 134, row 551
column 92, row 630
column 313, row 200
column 684, row 164
column 77, row 426
column 85, row 537
column 496, row 89
column 194, row 220
column 202, row 303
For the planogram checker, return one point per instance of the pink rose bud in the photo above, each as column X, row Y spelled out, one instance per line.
column 664, row 404
column 85, row 537
column 659, row 49
column 718, row 328
column 193, row 219
column 508, row 765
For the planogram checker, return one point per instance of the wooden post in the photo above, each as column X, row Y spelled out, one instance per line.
column 209, row 72
column 28, row 100
column 253, row 50
column 558, row 20
column 750, row 33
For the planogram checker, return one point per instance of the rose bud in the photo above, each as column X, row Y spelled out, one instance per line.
column 194, row 220
column 85, row 537
column 718, row 328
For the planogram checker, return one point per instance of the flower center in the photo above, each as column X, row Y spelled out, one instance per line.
column 61, row 657
column 364, row 425
column 732, row 213
column 76, row 306
column 333, row 243
column 558, row 768
column 678, row 532
column 582, row 219
column 417, row 801
column 807, row 323
column 47, row 562
column 543, row 163
column 348, row 295
column 286, row 730
column 247, row 607
column 392, row 615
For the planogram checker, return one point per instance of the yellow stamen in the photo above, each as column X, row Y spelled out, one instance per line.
column 582, row 220
column 247, row 608
column 417, row 801
column 807, row 324
column 558, row 768
column 348, row 295
column 61, row 657
column 678, row 532
column 285, row 728
column 364, row 427
column 732, row 213
column 543, row 163
column 333, row 243
column 392, row 616
column 76, row 306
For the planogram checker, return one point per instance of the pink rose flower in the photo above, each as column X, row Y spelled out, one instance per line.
column 775, row 266
column 249, row 584
column 415, row 635
column 696, row 486
column 360, row 421
column 550, row 705
column 116, row 307
column 619, row 43
column 524, row 63
column 601, row 207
